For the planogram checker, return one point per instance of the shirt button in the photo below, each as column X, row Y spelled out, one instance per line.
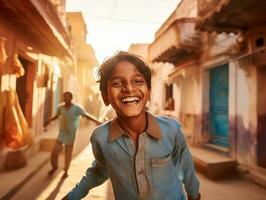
column 140, row 171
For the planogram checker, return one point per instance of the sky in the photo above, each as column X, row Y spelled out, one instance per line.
column 114, row 25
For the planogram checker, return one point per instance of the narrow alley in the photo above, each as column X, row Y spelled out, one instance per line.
column 200, row 69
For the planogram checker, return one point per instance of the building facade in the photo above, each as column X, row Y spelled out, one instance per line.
column 209, row 65
column 86, row 62
column 246, row 69
column 35, row 50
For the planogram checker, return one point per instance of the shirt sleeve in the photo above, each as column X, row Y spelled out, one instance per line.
column 81, row 111
column 95, row 175
column 58, row 111
column 184, row 163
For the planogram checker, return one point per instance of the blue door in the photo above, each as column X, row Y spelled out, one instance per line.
column 219, row 105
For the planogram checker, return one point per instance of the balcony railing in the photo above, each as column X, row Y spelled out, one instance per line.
column 180, row 38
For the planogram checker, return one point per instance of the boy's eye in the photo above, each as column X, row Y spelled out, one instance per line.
column 139, row 81
column 116, row 83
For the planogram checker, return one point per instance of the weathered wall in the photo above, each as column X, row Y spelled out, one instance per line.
column 239, row 110
column 159, row 78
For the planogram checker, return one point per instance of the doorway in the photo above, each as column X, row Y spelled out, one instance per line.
column 24, row 89
column 219, row 105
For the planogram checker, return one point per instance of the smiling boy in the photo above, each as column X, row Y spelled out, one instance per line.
column 145, row 156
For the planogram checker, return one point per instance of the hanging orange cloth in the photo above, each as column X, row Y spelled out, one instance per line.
column 16, row 133
column 2, row 54
column 17, row 66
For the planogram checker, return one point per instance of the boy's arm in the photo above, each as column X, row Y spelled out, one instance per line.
column 51, row 119
column 88, row 116
column 54, row 117
column 95, row 175
column 188, row 176
column 92, row 118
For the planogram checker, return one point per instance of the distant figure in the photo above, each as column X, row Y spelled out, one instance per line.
column 145, row 156
column 69, row 114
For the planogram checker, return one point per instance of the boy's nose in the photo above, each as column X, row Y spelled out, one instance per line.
column 129, row 87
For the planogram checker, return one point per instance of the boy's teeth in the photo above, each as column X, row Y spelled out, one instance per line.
column 130, row 99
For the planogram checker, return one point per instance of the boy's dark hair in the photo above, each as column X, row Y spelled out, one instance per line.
column 105, row 70
column 69, row 93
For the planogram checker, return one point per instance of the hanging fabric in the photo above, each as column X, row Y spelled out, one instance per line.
column 2, row 54
column 17, row 132
column 17, row 66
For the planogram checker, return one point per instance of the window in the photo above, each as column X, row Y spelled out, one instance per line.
column 169, row 100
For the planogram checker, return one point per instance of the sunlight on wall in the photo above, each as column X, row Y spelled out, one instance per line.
column 8, row 82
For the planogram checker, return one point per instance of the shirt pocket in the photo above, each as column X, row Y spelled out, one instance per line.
column 163, row 171
column 157, row 162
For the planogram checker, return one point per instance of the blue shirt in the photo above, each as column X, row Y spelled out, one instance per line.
column 69, row 122
column 155, row 170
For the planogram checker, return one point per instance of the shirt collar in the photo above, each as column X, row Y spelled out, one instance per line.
column 153, row 128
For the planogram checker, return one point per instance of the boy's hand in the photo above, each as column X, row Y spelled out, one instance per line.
column 198, row 197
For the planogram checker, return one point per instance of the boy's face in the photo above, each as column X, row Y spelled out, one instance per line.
column 67, row 97
column 127, row 90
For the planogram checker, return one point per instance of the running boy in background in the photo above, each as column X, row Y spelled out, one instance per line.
column 145, row 156
column 69, row 114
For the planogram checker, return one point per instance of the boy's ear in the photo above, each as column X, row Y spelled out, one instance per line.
column 105, row 98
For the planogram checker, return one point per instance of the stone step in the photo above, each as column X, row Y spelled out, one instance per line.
column 212, row 164
column 257, row 177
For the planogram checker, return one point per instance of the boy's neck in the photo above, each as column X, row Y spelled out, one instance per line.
column 68, row 105
column 134, row 126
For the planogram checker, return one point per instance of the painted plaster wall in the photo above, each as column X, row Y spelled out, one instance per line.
column 188, row 97
column 239, row 109
column 215, row 46
column 159, row 79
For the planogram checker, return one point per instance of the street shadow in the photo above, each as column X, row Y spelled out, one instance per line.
column 55, row 192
